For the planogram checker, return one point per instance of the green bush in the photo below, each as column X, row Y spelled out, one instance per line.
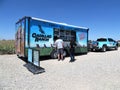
column 119, row 45
column 7, row 47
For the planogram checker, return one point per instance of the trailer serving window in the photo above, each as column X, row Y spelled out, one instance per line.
column 66, row 35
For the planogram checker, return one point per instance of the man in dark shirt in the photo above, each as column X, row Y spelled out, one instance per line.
column 72, row 50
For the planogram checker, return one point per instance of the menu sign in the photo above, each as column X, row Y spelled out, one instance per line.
column 30, row 55
column 36, row 58
column 33, row 57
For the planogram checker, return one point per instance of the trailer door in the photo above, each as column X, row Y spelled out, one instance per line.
column 19, row 40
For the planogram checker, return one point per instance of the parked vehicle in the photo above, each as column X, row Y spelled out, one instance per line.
column 90, row 45
column 104, row 44
column 40, row 34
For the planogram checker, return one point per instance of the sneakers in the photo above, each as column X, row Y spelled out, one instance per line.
column 62, row 58
column 72, row 60
column 58, row 59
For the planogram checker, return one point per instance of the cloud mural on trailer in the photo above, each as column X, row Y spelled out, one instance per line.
column 82, row 39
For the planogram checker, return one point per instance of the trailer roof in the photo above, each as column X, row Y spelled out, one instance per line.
column 58, row 23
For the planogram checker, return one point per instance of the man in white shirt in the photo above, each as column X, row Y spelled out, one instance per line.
column 59, row 45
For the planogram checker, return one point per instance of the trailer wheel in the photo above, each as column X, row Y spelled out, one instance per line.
column 64, row 53
column 54, row 54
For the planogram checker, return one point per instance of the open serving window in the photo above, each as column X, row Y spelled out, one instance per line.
column 66, row 35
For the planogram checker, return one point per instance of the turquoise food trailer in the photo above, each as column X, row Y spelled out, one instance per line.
column 41, row 34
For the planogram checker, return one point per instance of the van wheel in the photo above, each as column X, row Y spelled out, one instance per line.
column 104, row 48
column 116, row 47
column 54, row 54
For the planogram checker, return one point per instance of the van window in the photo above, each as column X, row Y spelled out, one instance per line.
column 102, row 40
column 110, row 40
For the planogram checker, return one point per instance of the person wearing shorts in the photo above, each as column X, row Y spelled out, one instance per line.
column 59, row 45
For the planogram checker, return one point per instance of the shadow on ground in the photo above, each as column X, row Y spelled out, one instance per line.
column 31, row 67
column 38, row 70
column 34, row 69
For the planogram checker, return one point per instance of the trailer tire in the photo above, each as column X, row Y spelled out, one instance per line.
column 64, row 53
column 54, row 54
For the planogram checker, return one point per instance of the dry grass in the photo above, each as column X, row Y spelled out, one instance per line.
column 7, row 46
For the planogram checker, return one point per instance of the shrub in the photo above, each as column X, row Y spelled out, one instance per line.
column 7, row 47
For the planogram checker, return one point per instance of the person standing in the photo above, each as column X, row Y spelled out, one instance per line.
column 72, row 50
column 59, row 45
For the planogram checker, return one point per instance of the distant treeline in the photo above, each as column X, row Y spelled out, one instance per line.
column 7, row 47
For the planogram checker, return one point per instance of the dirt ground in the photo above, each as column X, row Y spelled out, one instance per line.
column 94, row 71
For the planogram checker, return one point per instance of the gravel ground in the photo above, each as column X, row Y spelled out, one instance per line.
column 94, row 71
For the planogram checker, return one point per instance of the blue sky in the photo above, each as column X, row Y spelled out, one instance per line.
column 102, row 17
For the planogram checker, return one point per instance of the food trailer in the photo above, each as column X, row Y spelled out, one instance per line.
column 41, row 34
